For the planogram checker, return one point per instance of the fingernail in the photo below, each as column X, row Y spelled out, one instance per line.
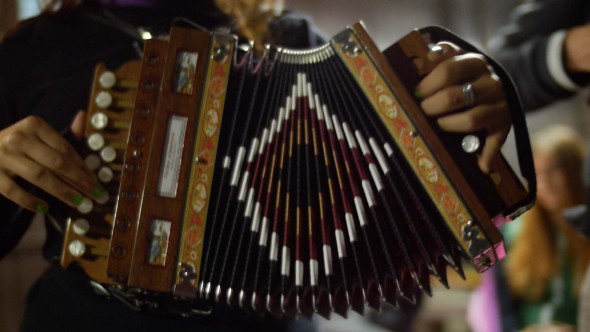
column 77, row 200
column 418, row 94
column 97, row 192
column 43, row 208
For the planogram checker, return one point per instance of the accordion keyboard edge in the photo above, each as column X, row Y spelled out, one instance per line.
column 295, row 182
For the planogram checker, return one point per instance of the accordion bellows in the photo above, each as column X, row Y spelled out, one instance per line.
column 292, row 182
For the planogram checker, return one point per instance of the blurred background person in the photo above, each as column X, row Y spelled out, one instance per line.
column 538, row 285
column 545, row 48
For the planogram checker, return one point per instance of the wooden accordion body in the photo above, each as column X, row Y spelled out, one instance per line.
column 295, row 182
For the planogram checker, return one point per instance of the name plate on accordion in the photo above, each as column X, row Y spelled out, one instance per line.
column 294, row 182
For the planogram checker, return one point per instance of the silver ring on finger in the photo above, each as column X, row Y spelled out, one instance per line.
column 468, row 94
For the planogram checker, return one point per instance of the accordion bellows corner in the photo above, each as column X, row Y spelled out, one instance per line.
column 294, row 182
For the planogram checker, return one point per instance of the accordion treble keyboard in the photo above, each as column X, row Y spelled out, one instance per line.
column 296, row 182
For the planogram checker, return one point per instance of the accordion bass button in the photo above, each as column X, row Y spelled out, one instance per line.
column 93, row 162
column 99, row 120
column 107, row 79
column 77, row 248
column 103, row 99
column 470, row 143
column 95, row 141
column 108, row 154
column 105, row 174
column 81, row 226
column 86, row 206
column 103, row 199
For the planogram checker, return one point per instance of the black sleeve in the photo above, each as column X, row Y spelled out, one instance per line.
column 15, row 68
column 522, row 49
column 294, row 30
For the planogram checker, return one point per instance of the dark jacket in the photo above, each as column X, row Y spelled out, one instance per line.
column 530, row 50
column 46, row 68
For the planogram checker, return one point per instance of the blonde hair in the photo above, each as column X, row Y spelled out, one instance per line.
column 533, row 260
column 252, row 17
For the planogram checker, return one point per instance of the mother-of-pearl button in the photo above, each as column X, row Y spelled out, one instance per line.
column 105, row 174
column 80, row 226
column 86, row 206
column 470, row 143
column 103, row 199
column 77, row 248
column 103, row 99
column 99, row 120
column 95, row 141
column 92, row 161
column 108, row 154
column 107, row 79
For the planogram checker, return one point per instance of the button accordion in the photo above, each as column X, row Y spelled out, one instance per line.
column 286, row 181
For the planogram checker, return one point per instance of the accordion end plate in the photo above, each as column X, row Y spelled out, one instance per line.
column 489, row 257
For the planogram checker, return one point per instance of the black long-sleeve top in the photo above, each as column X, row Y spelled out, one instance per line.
column 46, row 68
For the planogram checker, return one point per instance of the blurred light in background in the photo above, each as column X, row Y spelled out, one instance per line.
column 28, row 8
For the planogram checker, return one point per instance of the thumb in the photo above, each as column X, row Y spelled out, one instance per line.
column 79, row 125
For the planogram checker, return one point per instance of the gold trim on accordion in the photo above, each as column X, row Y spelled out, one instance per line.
column 293, row 182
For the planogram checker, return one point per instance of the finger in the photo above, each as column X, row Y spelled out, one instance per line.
column 12, row 191
column 79, row 125
column 485, row 116
column 43, row 178
column 53, row 139
column 61, row 165
column 486, row 89
column 490, row 151
column 453, row 71
column 442, row 51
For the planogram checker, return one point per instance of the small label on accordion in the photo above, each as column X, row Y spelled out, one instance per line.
column 158, row 245
column 170, row 168
column 184, row 74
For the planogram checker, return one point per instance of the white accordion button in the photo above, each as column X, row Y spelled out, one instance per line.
column 99, row 120
column 86, row 206
column 108, row 154
column 80, row 226
column 77, row 248
column 103, row 99
column 105, row 175
column 107, row 79
column 470, row 143
column 92, row 161
column 103, row 199
column 95, row 141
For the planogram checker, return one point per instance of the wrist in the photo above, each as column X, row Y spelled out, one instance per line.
column 556, row 61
